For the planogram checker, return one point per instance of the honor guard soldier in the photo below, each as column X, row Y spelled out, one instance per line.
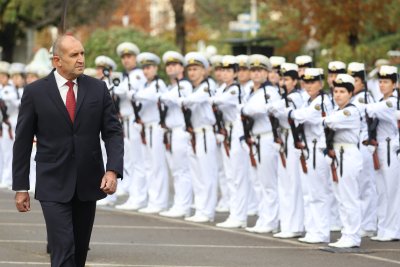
column 303, row 62
column 8, row 94
column 132, row 80
column 342, row 133
column 291, row 207
column 104, row 71
column 176, row 138
column 368, row 194
column 203, row 159
column 388, row 149
column 334, row 68
column 227, row 105
column 152, row 117
column 5, row 128
column 274, row 75
column 244, row 75
column 315, row 174
column 256, row 110
column 223, row 202
column 35, row 71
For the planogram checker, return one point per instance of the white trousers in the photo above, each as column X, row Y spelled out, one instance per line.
column 157, row 174
column 205, row 174
column 237, row 170
column 317, row 192
column 266, row 174
column 387, row 184
column 179, row 165
column 7, row 151
column 291, row 211
column 224, row 171
column 347, row 192
column 368, row 193
column 138, row 185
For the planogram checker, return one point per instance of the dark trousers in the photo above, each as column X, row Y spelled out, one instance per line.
column 69, row 227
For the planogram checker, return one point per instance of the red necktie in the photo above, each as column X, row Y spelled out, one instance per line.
column 70, row 103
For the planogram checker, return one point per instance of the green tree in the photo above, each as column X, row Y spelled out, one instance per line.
column 105, row 42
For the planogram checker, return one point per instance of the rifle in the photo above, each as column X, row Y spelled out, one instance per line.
column 275, row 125
column 162, row 110
column 329, row 135
column 187, row 114
column 248, row 123
column 221, row 127
column 3, row 110
column 372, row 125
column 296, row 132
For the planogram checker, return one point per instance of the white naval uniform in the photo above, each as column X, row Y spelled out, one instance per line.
column 224, row 192
column 134, row 169
column 267, row 157
column 346, row 123
column 178, row 157
column 11, row 98
column 237, row 170
column 367, row 181
column 204, row 165
column 387, row 177
column 316, row 186
column 291, row 209
column 252, row 198
column 154, row 152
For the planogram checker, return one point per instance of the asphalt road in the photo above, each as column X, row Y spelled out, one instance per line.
column 133, row 239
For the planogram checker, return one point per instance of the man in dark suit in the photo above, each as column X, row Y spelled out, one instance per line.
column 67, row 111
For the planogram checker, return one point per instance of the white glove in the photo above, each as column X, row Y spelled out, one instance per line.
column 245, row 146
column 220, row 138
column 130, row 94
column 371, row 149
column 328, row 160
column 397, row 114
column 276, row 146
column 138, row 127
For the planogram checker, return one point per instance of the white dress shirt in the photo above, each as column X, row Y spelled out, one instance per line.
column 63, row 88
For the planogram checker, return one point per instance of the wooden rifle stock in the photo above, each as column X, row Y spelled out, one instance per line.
column 275, row 124
column 226, row 141
column 251, row 154
column 332, row 155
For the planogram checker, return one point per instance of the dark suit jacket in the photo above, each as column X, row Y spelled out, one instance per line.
column 68, row 156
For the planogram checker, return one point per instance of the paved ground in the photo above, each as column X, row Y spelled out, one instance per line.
column 132, row 239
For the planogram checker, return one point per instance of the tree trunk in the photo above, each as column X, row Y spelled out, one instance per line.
column 7, row 41
column 180, row 32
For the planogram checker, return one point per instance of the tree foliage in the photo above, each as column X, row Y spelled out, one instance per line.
column 105, row 42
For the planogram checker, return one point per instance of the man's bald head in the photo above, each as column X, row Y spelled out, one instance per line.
column 68, row 56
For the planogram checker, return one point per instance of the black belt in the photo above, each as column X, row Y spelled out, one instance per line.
column 388, row 150
column 314, row 152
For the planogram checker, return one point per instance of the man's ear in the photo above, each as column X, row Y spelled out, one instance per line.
column 56, row 61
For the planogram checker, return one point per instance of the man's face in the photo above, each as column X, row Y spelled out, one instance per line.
column 128, row 61
column 196, row 73
column 218, row 74
column 18, row 80
column 174, row 69
column 30, row 78
column 358, row 85
column 273, row 77
column 228, row 75
column 313, row 88
column 386, row 86
column 243, row 75
column 3, row 79
column 70, row 63
column 289, row 83
column 150, row 71
column 258, row 75
column 341, row 96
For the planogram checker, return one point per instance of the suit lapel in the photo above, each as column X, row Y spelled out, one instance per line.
column 81, row 94
column 55, row 96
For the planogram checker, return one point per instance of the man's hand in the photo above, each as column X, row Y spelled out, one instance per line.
column 109, row 183
column 22, row 201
